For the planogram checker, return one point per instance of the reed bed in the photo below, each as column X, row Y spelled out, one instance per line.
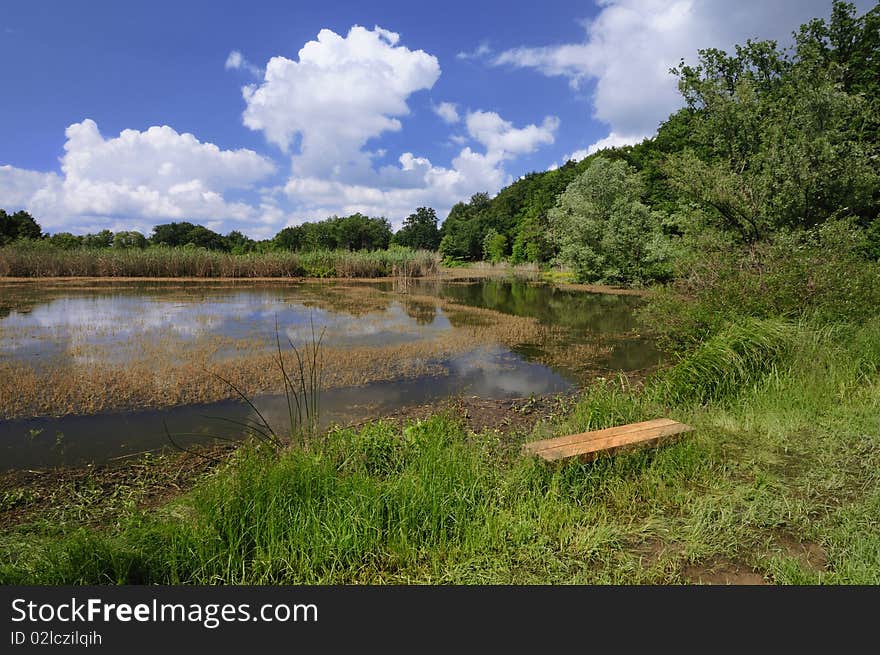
column 41, row 260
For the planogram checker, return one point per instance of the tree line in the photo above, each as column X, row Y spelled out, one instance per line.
column 355, row 232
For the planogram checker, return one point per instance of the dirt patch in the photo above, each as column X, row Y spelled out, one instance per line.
column 510, row 417
column 94, row 494
column 721, row 571
column 652, row 551
column 810, row 554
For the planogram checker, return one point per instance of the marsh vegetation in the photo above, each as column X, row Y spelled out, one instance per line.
column 779, row 483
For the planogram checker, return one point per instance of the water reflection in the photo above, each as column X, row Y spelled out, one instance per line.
column 74, row 325
column 75, row 440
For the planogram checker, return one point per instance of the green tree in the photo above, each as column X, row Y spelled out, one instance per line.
column 359, row 232
column 204, row 238
column 185, row 233
column 102, row 239
column 289, row 238
column 531, row 243
column 132, row 239
column 781, row 141
column 419, row 230
column 171, row 234
column 20, row 225
column 238, row 243
column 65, row 240
column 604, row 232
column 463, row 230
column 355, row 232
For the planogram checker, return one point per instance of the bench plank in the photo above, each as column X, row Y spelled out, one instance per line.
column 589, row 444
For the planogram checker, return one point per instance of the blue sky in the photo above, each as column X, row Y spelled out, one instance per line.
column 125, row 115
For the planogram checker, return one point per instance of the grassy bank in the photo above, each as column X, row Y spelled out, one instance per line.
column 779, row 482
column 36, row 259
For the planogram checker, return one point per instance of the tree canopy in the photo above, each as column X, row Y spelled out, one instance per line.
column 19, row 225
column 769, row 139
column 355, row 232
column 419, row 230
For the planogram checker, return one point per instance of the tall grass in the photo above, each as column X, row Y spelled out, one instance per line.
column 301, row 375
column 737, row 357
column 35, row 259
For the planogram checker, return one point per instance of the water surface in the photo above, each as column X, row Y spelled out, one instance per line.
column 508, row 339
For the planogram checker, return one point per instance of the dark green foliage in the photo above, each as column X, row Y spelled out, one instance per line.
column 604, row 232
column 132, row 239
column 187, row 234
column 419, row 231
column 102, row 239
column 65, row 240
column 518, row 213
column 359, row 232
column 465, row 228
column 769, row 140
column 784, row 139
column 872, row 240
column 239, row 244
column 355, row 232
column 19, row 225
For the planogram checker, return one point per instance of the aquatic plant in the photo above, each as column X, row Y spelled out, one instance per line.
column 302, row 380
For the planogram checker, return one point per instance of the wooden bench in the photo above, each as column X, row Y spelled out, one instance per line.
column 588, row 445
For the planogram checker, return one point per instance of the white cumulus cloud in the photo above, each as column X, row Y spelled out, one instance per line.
column 322, row 109
column 342, row 91
column 237, row 61
column 138, row 178
column 339, row 93
column 396, row 191
column 613, row 140
column 502, row 140
column 234, row 61
column 482, row 50
column 448, row 111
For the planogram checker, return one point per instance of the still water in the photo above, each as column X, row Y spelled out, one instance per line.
column 389, row 347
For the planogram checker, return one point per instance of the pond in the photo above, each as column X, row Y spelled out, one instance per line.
column 94, row 371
